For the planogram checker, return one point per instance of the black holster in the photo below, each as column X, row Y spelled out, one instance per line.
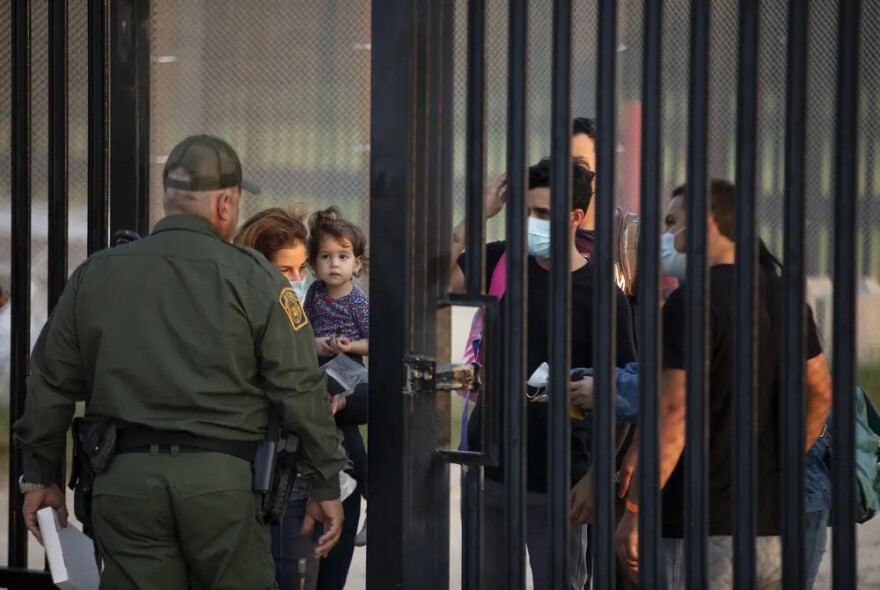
column 94, row 445
column 275, row 500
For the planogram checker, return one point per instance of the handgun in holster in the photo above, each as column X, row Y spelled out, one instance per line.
column 94, row 445
column 275, row 469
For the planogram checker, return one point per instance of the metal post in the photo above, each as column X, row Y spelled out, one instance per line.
column 475, row 154
column 697, row 295
column 129, row 109
column 844, row 562
column 97, row 192
column 57, row 222
column 516, row 296
column 604, row 310
column 744, row 376
column 559, row 431
column 390, row 191
column 649, row 296
column 792, row 502
column 20, row 291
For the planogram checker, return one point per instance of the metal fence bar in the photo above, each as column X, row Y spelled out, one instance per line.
column 697, row 294
column 98, row 204
column 57, row 219
column 128, row 101
column 792, row 501
column 475, row 154
column 57, row 275
column 20, row 292
column 604, row 308
column 475, row 150
column 843, row 551
column 516, row 296
column 649, row 296
column 559, row 445
column 744, row 375
column 390, row 191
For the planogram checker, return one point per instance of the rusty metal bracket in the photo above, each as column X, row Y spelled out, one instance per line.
column 425, row 375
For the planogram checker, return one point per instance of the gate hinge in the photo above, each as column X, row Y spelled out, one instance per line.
column 425, row 375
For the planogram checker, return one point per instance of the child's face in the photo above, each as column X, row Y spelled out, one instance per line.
column 336, row 262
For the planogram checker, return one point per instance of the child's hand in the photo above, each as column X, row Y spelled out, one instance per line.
column 342, row 344
column 325, row 346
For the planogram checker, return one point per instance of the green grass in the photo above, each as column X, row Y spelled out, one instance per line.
column 869, row 379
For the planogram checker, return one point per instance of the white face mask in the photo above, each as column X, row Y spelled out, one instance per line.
column 539, row 238
column 300, row 288
column 672, row 261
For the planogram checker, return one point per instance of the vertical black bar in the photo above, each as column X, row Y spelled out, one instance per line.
column 475, row 150
column 129, row 107
column 604, row 325
column 426, row 479
column 559, row 447
column 843, row 551
column 20, row 291
column 744, row 377
column 390, row 198
column 792, row 502
column 697, row 286
column 57, row 222
column 475, row 153
column 516, row 296
column 649, row 296
column 57, row 276
column 97, row 191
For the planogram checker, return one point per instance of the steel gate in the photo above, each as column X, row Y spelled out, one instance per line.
column 411, row 159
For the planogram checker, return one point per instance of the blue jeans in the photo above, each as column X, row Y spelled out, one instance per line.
column 816, row 541
column 289, row 547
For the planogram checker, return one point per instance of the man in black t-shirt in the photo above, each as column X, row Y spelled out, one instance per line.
column 724, row 290
column 537, row 346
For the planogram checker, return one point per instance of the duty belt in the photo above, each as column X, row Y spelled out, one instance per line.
column 140, row 439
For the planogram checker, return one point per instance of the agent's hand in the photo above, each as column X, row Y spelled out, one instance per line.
column 626, row 541
column 496, row 196
column 580, row 393
column 581, row 501
column 328, row 512
column 33, row 501
column 325, row 346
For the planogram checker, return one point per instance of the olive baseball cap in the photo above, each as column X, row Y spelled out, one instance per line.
column 211, row 164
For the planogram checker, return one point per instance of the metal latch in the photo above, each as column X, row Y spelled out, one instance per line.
column 425, row 375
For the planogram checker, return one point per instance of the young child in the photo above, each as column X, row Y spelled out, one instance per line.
column 339, row 313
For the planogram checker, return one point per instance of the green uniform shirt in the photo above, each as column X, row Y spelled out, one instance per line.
column 179, row 331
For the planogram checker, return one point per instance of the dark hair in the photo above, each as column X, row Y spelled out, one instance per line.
column 273, row 229
column 581, row 185
column 722, row 202
column 330, row 223
column 586, row 126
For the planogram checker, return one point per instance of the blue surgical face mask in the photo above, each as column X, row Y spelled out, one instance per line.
column 300, row 288
column 672, row 261
column 539, row 238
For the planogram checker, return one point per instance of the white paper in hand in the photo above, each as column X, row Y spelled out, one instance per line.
column 70, row 553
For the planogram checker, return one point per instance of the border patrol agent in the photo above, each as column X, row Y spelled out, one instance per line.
column 183, row 340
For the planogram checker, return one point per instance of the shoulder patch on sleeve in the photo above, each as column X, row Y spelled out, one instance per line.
column 293, row 308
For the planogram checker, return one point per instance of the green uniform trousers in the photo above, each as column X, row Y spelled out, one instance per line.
column 187, row 521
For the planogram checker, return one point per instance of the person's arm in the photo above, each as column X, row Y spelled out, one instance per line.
column 57, row 381
column 626, row 382
column 495, row 200
column 355, row 407
column 297, row 388
column 818, row 382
